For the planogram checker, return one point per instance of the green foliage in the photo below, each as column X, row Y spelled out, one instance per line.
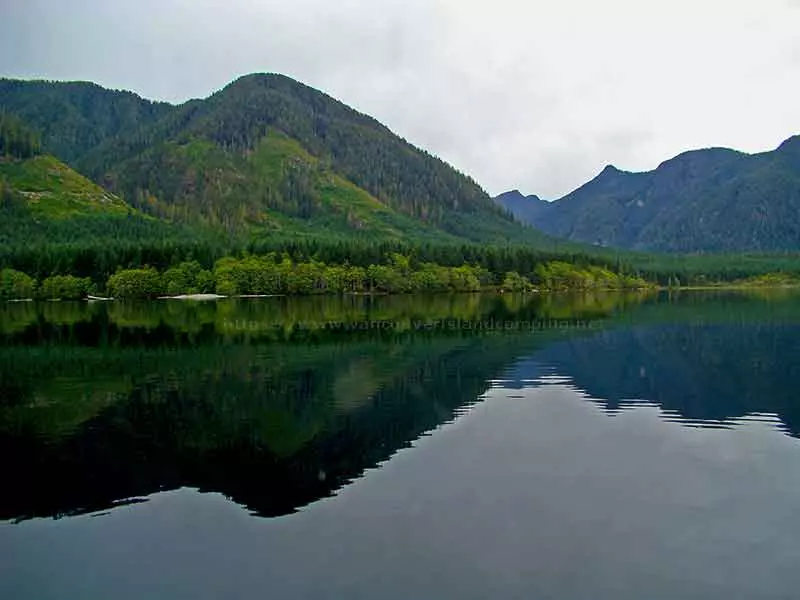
column 187, row 278
column 384, row 278
column 270, row 275
column 16, row 140
column 514, row 282
column 65, row 287
column 465, row 278
column 252, row 275
column 266, row 155
column 240, row 118
column 773, row 280
column 54, row 191
column 73, row 117
column 705, row 269
column 268, row 165
column 136, row 283
column 557, row 275
column 10, row 203
column 15, row 285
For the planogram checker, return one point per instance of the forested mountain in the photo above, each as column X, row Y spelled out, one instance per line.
column 713, row 200
column 264, row 156
column 268, row 165
column 524, row 208
column 74, row 117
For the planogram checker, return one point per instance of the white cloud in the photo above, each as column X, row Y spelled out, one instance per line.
column 533, row 95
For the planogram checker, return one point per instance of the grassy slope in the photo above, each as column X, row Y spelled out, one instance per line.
column 223, row 188
column 343, row 206
column 51, row 207
column 53, row 190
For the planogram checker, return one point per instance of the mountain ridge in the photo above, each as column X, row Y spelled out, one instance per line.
column 525, row 209
column 708, row 200
column 204, row 161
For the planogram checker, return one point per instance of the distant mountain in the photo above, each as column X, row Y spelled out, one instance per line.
column 265, row 156
column 713, row 200
column 526, row 209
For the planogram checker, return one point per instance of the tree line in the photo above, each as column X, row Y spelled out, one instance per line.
column 98, row 246
column 274, row 274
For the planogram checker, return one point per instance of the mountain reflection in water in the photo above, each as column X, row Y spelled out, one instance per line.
column 277, row 403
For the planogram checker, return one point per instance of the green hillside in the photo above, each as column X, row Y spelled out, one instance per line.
column 276, row 188
column 50, row 189
column 266, row 156
column 42, row 186
column 55, row 220
column 712, row 200
column 74, row 117
column 270, row 167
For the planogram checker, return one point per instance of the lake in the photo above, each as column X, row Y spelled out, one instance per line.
column 469, row 446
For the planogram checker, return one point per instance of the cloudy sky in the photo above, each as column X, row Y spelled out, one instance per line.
column 536, row 95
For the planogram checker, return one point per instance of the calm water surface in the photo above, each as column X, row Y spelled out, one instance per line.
column 465, row 447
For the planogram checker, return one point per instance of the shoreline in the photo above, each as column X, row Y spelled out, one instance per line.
column 729, row 287
column 491, row 290
column 198, row 297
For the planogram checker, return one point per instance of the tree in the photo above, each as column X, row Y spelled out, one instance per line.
column 65, row 287
column 16, row 140
column 182, row 279
column 15, row 285
column 136, row 283
column 514, row 282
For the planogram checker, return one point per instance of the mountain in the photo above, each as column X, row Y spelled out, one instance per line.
column 524, row 208
column 264, row 157
column 75, row 117
column 712, row 200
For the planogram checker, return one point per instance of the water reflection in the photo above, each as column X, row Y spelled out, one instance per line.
column 699, row 375
column 273, row 403
column 277, row 403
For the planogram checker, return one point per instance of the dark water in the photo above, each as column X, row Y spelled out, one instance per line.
column 464, row 447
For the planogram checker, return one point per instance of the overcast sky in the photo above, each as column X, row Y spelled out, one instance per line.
column 535, row 95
